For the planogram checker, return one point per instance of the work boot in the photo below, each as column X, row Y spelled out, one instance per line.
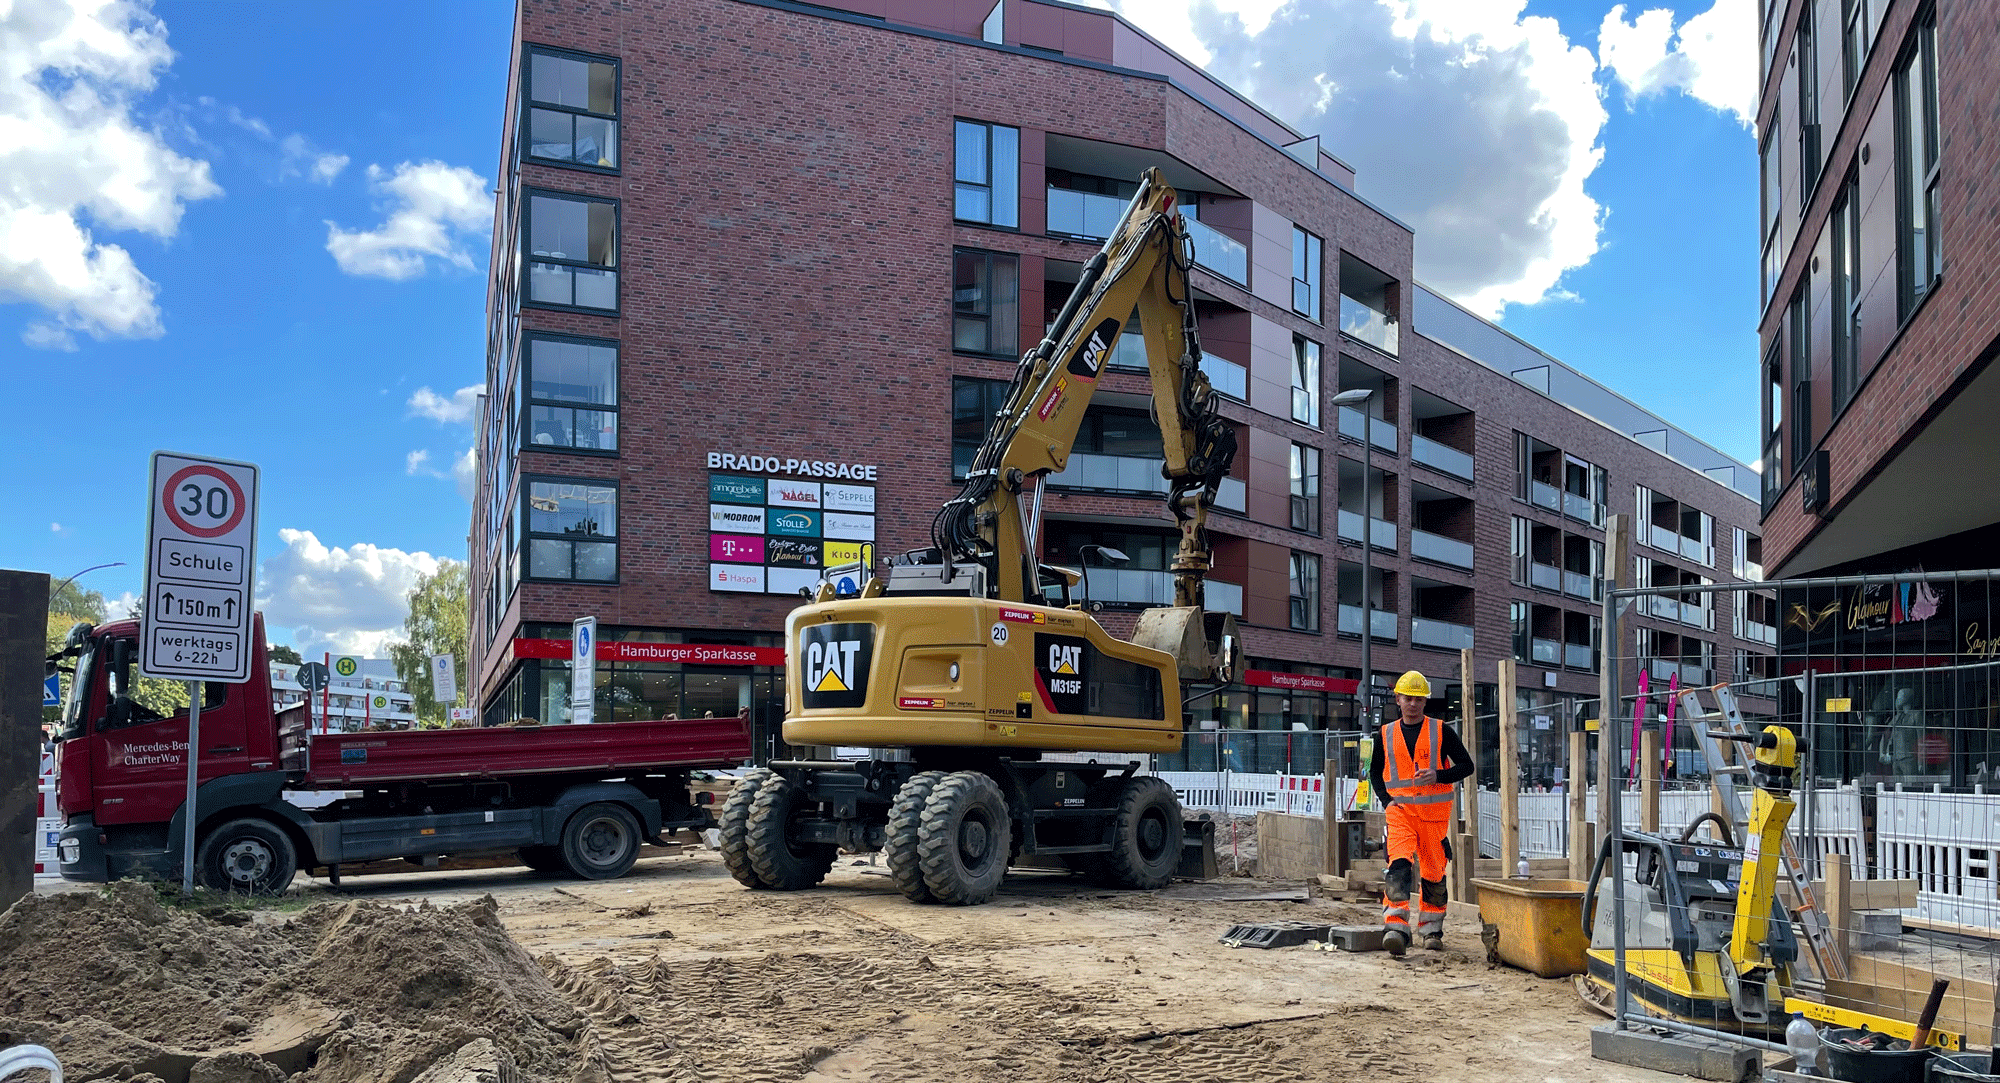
column 1434, row 942
column 1395, row 942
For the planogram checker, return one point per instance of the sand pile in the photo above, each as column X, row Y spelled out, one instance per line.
column 121, row 986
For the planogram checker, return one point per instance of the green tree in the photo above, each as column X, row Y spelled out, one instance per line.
column 282, row 652
column 68, row 605
column 436, row 625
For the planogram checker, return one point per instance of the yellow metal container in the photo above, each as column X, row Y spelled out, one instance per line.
column 1540, row 923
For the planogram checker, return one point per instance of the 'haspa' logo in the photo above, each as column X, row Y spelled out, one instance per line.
column 834, row 664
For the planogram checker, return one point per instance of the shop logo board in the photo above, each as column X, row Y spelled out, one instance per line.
column 776, row 535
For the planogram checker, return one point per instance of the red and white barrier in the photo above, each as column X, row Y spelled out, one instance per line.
column 48, row 822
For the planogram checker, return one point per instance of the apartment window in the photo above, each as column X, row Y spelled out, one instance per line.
column 572, row 393
column 974, row 403
column 1799, row 327
column 1306, row 259
column 1854, row 26
column 1305, row 381
column 572, row 244
column 1918, row 252
column 1846, row 315
column 1518, row 551
column 1517, row 616
column 1304, row 589
column 572, row 109
column 572, row 529
column 985, row 302
column 1772, row 166
column 987, row 180
column 1305, row 488
column 1809, row 162
column 1774, row 419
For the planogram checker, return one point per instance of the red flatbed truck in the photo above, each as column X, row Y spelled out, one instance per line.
column 574, row 799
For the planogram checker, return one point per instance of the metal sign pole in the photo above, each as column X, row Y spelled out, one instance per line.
column 194, row 758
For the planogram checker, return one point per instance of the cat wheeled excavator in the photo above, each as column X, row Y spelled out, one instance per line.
column 960, row 665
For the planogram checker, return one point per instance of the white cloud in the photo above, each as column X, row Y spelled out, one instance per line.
column 414, row 462
column 55, row 528
column 462, row 472
column 346, row 600
column 435, row 209
column 456, row 410
column 1711, row 58
column 73, row 160
column 122, row 606
column 300, row 158
column 1476, row 124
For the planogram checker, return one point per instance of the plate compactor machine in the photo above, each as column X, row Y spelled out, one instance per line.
column 966, row 662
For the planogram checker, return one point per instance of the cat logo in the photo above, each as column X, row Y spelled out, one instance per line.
column 1088, row 360
column 1061, row 669
column 1064, row 658
column 834, row 662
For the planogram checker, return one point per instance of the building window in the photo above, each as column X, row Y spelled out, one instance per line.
column 1809, row 162
column 1517, row 617
column 1846, row 314
column 1798, row 328
column 1854, row 27
column 572, row 393
column 1305, row 381
column 985, row 302
column 572, row 244
column 1306, row 259
column 987, row 180
column 1773, row 472
column 1305, row 488
column 1304, row 589
column 572, row 109
column 1772, row 165
column 974, row 403
column 572, row 529
column 1918, row 252
column 1518, row 551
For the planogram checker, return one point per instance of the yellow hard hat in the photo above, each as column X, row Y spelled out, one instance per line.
column 1413, row 684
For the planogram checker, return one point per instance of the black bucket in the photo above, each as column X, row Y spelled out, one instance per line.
column 1855, row 1065
column 1962, row 1068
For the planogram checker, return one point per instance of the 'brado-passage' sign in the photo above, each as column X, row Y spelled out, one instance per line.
column 201, row 549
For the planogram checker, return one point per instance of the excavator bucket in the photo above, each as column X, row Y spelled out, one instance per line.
column 1203, row 643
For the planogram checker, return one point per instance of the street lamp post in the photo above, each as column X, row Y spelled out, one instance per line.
column 1359, row 397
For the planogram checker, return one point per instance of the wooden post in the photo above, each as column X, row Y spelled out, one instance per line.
column 1335, row 863
column 1649, row 781
column 1839, row 903
column 1466, row 846
column 1617, row 543
column 1510, row 774
column 1582, row 840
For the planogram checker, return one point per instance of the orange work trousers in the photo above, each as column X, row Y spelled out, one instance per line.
column 1416, row 846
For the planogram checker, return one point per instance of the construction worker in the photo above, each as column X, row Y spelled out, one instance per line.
column 1418, row 760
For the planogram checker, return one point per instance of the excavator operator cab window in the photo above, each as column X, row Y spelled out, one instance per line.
column 1056, row 584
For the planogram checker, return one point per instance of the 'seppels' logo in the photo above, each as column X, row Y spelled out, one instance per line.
column 833, row 664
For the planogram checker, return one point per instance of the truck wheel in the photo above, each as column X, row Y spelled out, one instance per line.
column 734, row 825
column 600, row 841
column 542, row 859
column 905, row 818
column 1146, row 835
column 963, row 840
column 780, row 861
column 251, row 856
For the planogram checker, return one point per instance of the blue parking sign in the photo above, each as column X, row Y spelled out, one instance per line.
column 52, row 691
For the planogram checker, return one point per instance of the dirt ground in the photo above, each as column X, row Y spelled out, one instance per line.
column 687, row 976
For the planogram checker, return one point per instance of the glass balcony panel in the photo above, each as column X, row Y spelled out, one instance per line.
column 1384, row 623
column 1546, row 652
column 1437, row 456
column 1664, row 669
column 1226, row 376
column 1545, row 576
column 1382, row 434
column 1444, row 635
column 1666, row 538
column 1576, row 584
column 1753, row 571
column 1579, row 656
column 1425, row 545
column 1545, row 495
column 1084, row 214
column 1370, row 326
column 1223, row 597
column 1696, row 676
column 1231, row 495
column 1383, row 533
column 1129, row 352
column 1217, row 251
column 1579, row 507
column 1353, row 424
column 1123, row 473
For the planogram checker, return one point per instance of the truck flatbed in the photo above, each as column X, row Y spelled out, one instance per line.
column 338, row 761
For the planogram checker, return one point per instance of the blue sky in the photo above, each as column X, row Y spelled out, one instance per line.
column 306, row 189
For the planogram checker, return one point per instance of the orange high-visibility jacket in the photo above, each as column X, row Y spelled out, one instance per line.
column 1400, row 767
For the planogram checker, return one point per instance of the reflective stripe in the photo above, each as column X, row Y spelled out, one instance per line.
column 1421, row 798
column 1400, row 769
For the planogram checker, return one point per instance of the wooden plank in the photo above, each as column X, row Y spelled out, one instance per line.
column 1549, row 868
column 1581, row 851
column 1617, row 553
column 1874, row 894
column 1981, row 932
column 1335, row 846
column 1839, row 895
column 1649, row 781
column 1901, row 989
column 1510, row 769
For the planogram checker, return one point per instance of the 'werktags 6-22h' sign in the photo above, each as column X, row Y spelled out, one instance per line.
column 201, row 556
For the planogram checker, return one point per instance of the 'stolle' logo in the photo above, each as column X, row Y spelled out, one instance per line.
column 833, row 664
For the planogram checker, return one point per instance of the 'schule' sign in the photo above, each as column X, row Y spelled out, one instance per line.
column 776, row 464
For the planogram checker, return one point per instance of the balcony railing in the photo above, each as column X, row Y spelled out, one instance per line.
column 1133, row 586
column 1545, row 495
column 1667, row 538
column 1580, row 656
column 1437, row 456
column 1383, row 623
column 1218, row 251
column 1120, row 473
column 1444, row 635
column 1227, row 376
column 1582, row 508
column 1545, row 576
column 1381, row 532
column 1353, row 423
column 1753, row 571
column 1093, row 216
column 1761, row 633
column 1229, row 496
column 1545, row 652
column 1372, row 326
column 1578, row 584
column 1439, row 549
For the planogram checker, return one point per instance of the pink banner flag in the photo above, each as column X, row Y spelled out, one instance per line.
column 1638, row 721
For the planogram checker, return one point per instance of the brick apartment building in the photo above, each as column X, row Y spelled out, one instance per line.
column 1880, row 250
column 761, row 270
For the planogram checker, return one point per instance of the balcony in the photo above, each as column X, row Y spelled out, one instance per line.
column 1766, row 634
column 1580, row 656
column 1439, row 549
column 1224, row 375
column 1219, row 252
column 1381, row 532
column 1544, row 495
column 1582, row 508
column 1666, row 539
column 1230, row 496
column 1442, row 635
column 1544, row 576
column 1138, row 587
column 1383, row 622
column 1437, row 456
column 1579, row 585
column 1117, row 473
column 1380, row 433
column 1753, row 571
column 1545, row 652
column 1359, row 321
column 1092, row 216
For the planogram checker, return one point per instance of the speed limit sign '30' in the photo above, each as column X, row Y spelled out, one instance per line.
column 201, row 557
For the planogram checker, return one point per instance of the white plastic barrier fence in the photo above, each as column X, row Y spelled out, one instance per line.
column 1242, row 794
column 1946, row 843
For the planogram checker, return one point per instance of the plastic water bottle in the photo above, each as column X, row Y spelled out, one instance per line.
column 1803, row 1041
column 1521, row 868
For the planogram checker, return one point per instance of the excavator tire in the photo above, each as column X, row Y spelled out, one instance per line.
column 905, row 818
column 964, row 839
column 1146, row 834
column 780, row 862
column 734, row 826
